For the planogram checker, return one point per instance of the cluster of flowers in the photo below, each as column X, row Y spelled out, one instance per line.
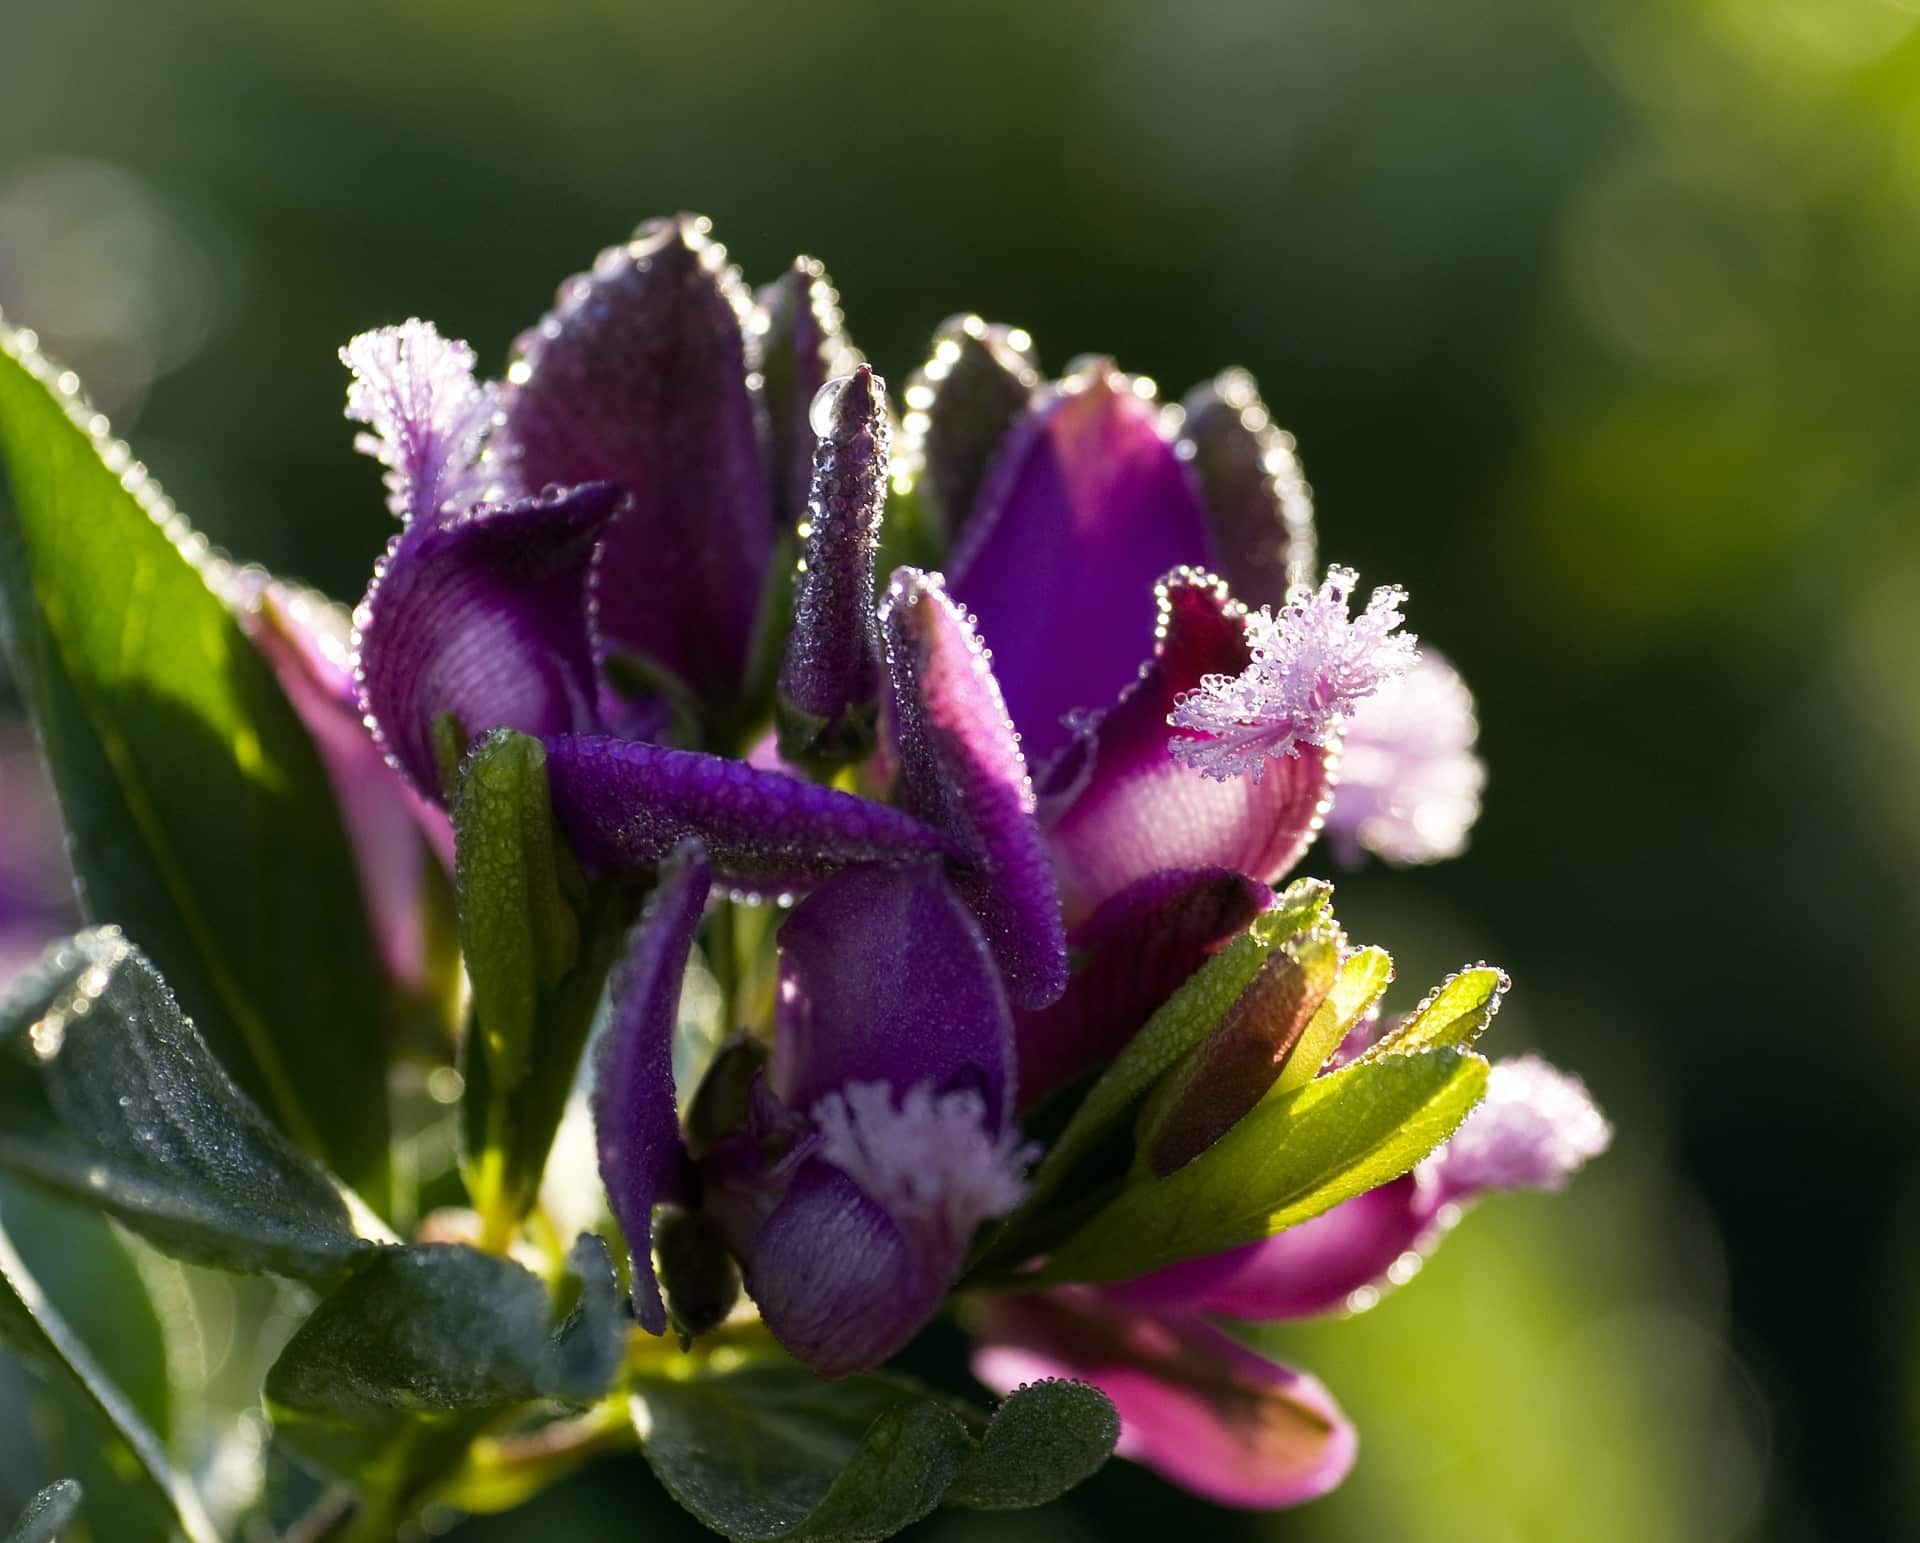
column 1013, row 804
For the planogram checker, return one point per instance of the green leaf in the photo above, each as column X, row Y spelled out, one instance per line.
column 200, row 816
column 772, row 1451
column 415, row 1346
column 48, row 1514
column 591, row 1341
column 1045, row 1439
column 1454, row 1013
column 1290, row 1159
column 538, row 944
column 32, row 1326
column 1181, row 1023
column 1362, row 980
column 109, row 1097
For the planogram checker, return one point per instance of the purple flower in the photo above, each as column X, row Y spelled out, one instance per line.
column 35, row 902
column 1013, row 807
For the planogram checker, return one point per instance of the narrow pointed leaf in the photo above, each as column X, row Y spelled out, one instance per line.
column 48, row 1514
column 109, row 1096
column 199, row 813
column 1292, row 1158
column 1454, row 1013
column 1045, row 1439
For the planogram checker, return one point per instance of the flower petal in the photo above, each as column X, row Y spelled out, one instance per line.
column 885, row 977
column 961, row 771
column 798, row 344
column 1086, row 507
column 484, row 617
column 830, row 676
column 638, row 377
column 1133, row 953
column 1119, row 807
column 1199, row 1408
column 960, row 405
column 626, row 805
column 1250, row 481
column 636, row 1123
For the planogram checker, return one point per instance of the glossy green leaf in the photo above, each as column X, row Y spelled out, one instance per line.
column 1454, row 1013
column 48, row 1514
column 772, row 1451
column 31, row 1325
column 1045, row 1439
column 1290, row 1159
column 1363, row 979
column 108, row 1096
column 200, row 817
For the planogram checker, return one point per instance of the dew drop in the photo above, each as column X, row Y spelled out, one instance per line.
column 820, row 414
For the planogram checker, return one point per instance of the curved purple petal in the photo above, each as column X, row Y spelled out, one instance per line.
column 1132, row 953
column 830, row 676
column 484, row 617
column 638, row 377
column 1198, row 1407
column 961, row 770
column 625, row 805
column 1086, row 507
column 636, row 1123
column 1119, row 807
column 1251, row 484
column 798, row 344
column 837, row 1280
column 885, row 977
column 960, row 405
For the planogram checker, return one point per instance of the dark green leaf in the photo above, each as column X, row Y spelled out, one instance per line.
column 108, row 1096
column 48, row 1514
column 30, row 1324
column 591, row 1341
column 200, row 815
column 1045, row 1439
column 1293, row 1157
column 774, row 1452
column 1454, row 1013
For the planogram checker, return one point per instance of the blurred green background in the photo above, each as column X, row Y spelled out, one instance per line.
column 1598, row 322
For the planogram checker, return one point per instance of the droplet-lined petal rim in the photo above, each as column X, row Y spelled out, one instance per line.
column 978, row 379
column 797, row 342
column 485, row 618
column 639, row 377
column 636, row 1122
column 625, row 805
column 1086, row 506
column 1119, row 807
column 961, row 770
column 1251, row 483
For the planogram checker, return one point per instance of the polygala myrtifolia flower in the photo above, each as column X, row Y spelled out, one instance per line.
column 908, row 800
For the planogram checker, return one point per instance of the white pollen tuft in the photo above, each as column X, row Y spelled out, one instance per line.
column 1312, row 665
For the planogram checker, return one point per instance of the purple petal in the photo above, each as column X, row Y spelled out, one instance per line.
column 636, row 1124
column 798, row 346
column 483, row 617
column 395, row 834
column 961, row 771
column 1250, row 481
column 1133, row 953
column 1086, row 507
column 426, row 416
column 625, row 805
column 1535, row 1128
column 830, row 677
column 836, row 1279
column 638, row 377
column 1197, row 1407
column 960, row 405
column 885, row 977
column 1121, row 807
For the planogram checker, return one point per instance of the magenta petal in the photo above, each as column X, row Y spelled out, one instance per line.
column 484, row 617
column 1196, row 1406
column 636, row 1123
column 639, row 378
column 1132, row 954
column 961, row 770
column 885, row 977
column 836, row 1279
column 1120, row 807
column 1087, row 505
column 1307, row 1270
column 626, row 805
column 394, row 833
